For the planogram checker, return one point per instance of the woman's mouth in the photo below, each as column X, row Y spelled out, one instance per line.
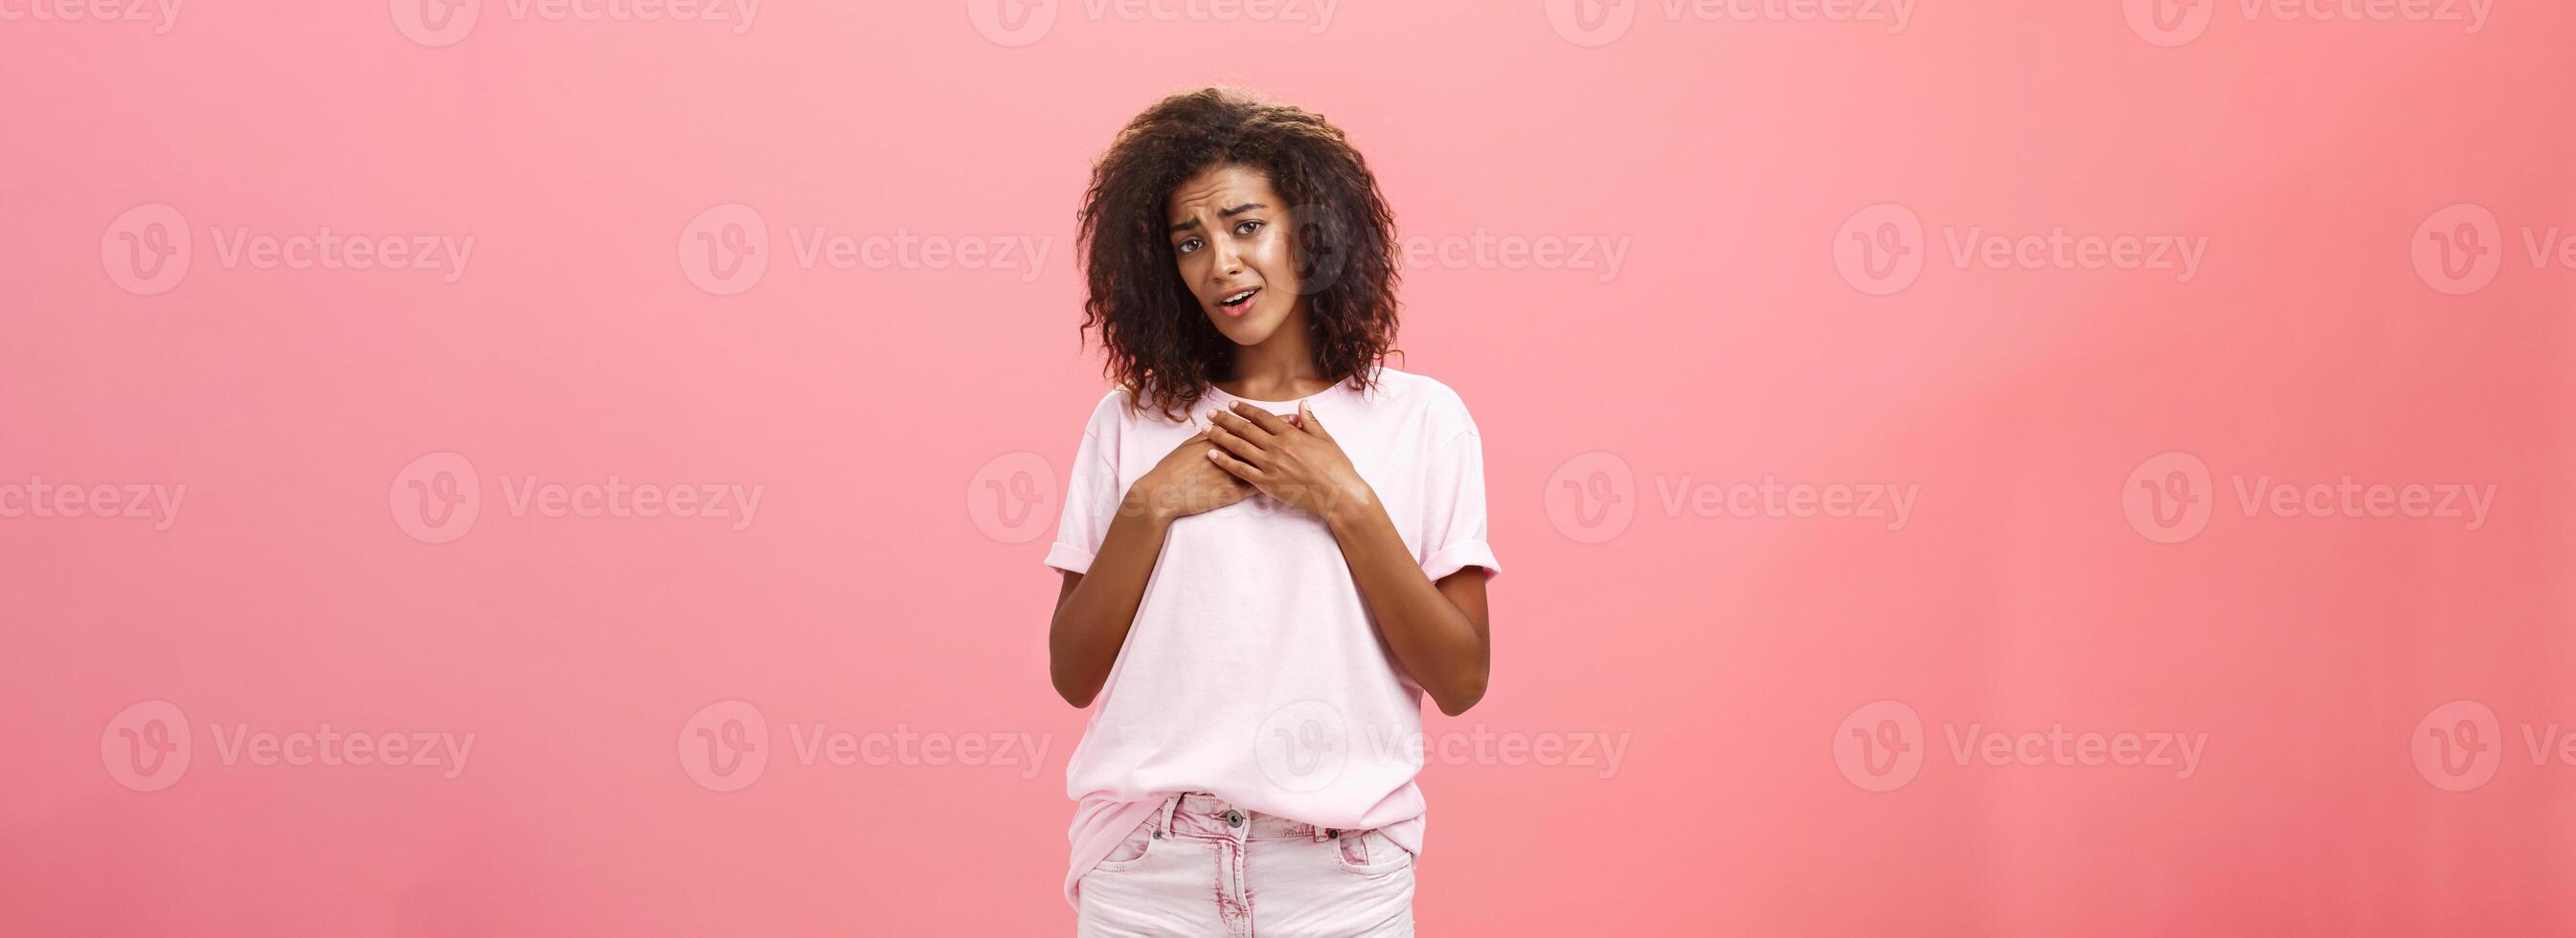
column 1239, row 303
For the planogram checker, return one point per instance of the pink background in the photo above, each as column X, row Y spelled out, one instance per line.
column 883, row 410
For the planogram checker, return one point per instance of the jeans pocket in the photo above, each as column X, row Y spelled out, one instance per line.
column 1130, row 852
column 1371, row 853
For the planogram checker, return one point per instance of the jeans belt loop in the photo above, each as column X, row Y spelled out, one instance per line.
column 1164, row 817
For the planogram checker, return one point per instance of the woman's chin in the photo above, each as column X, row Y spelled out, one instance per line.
column 1245, row 331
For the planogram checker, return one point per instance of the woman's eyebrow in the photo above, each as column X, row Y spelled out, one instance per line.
column 1178, row 227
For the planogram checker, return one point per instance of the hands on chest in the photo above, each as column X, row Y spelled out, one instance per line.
column 1247, row 449
column 1292, row 459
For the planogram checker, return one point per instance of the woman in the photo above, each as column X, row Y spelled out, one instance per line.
column 1273, row 544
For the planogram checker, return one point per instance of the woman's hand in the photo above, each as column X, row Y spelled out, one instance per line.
column 1185, row 483
column 1295, row 463
column 1097, row 606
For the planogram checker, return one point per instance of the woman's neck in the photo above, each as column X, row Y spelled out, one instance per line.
column 1280, row 368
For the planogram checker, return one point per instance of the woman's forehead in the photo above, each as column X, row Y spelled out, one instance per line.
column 1221, row 188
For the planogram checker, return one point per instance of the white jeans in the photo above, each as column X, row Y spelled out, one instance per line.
column 1201, row 866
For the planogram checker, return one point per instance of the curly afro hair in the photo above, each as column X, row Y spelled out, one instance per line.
column 1160, row 345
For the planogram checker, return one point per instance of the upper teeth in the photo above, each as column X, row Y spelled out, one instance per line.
column 1237, row 298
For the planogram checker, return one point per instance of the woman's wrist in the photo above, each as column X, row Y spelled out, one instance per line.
column 1140, row 503
column 1352, row 505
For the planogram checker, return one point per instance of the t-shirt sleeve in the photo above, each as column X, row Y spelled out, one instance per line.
column 1453, row 528
column 1091, row 492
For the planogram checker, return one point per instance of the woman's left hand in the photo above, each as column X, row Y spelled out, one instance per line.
column 1297, row 463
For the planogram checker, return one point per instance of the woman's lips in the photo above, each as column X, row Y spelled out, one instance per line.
column 1237, row 310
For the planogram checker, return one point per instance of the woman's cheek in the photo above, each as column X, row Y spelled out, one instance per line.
column 1277, row 261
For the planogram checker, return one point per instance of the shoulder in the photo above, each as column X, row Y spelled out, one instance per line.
column 1108, row 416
column 1114, row 405
column 1406, row 387
column 1119, row 412
column 1440, row 406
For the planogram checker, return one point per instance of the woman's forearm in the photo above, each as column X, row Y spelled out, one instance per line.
column 1092, row 617
column 1442, row 646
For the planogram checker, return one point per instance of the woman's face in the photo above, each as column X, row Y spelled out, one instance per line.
column 1230, row 237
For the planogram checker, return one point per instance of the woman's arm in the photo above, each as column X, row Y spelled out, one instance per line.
column 1437, row 631
column 1096, row 606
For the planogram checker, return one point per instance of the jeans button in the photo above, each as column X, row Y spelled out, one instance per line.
column 1233, row 818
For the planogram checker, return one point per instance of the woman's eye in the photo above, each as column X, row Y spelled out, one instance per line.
column 1186, row 246
column 1247, row 228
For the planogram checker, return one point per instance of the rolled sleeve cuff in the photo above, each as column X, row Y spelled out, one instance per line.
column 1068, row 558
column 1460, row 556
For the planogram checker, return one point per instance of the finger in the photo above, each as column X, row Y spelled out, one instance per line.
column 1239, row 426
column 1263, row 417
column 1240, row 469
column 1306, row 419
column 1235, row 446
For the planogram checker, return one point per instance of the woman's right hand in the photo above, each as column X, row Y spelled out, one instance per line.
column 1186, row 483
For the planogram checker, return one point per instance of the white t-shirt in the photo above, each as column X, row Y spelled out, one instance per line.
column 1254, row 670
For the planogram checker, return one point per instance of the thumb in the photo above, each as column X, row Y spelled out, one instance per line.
column 1306, row 419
